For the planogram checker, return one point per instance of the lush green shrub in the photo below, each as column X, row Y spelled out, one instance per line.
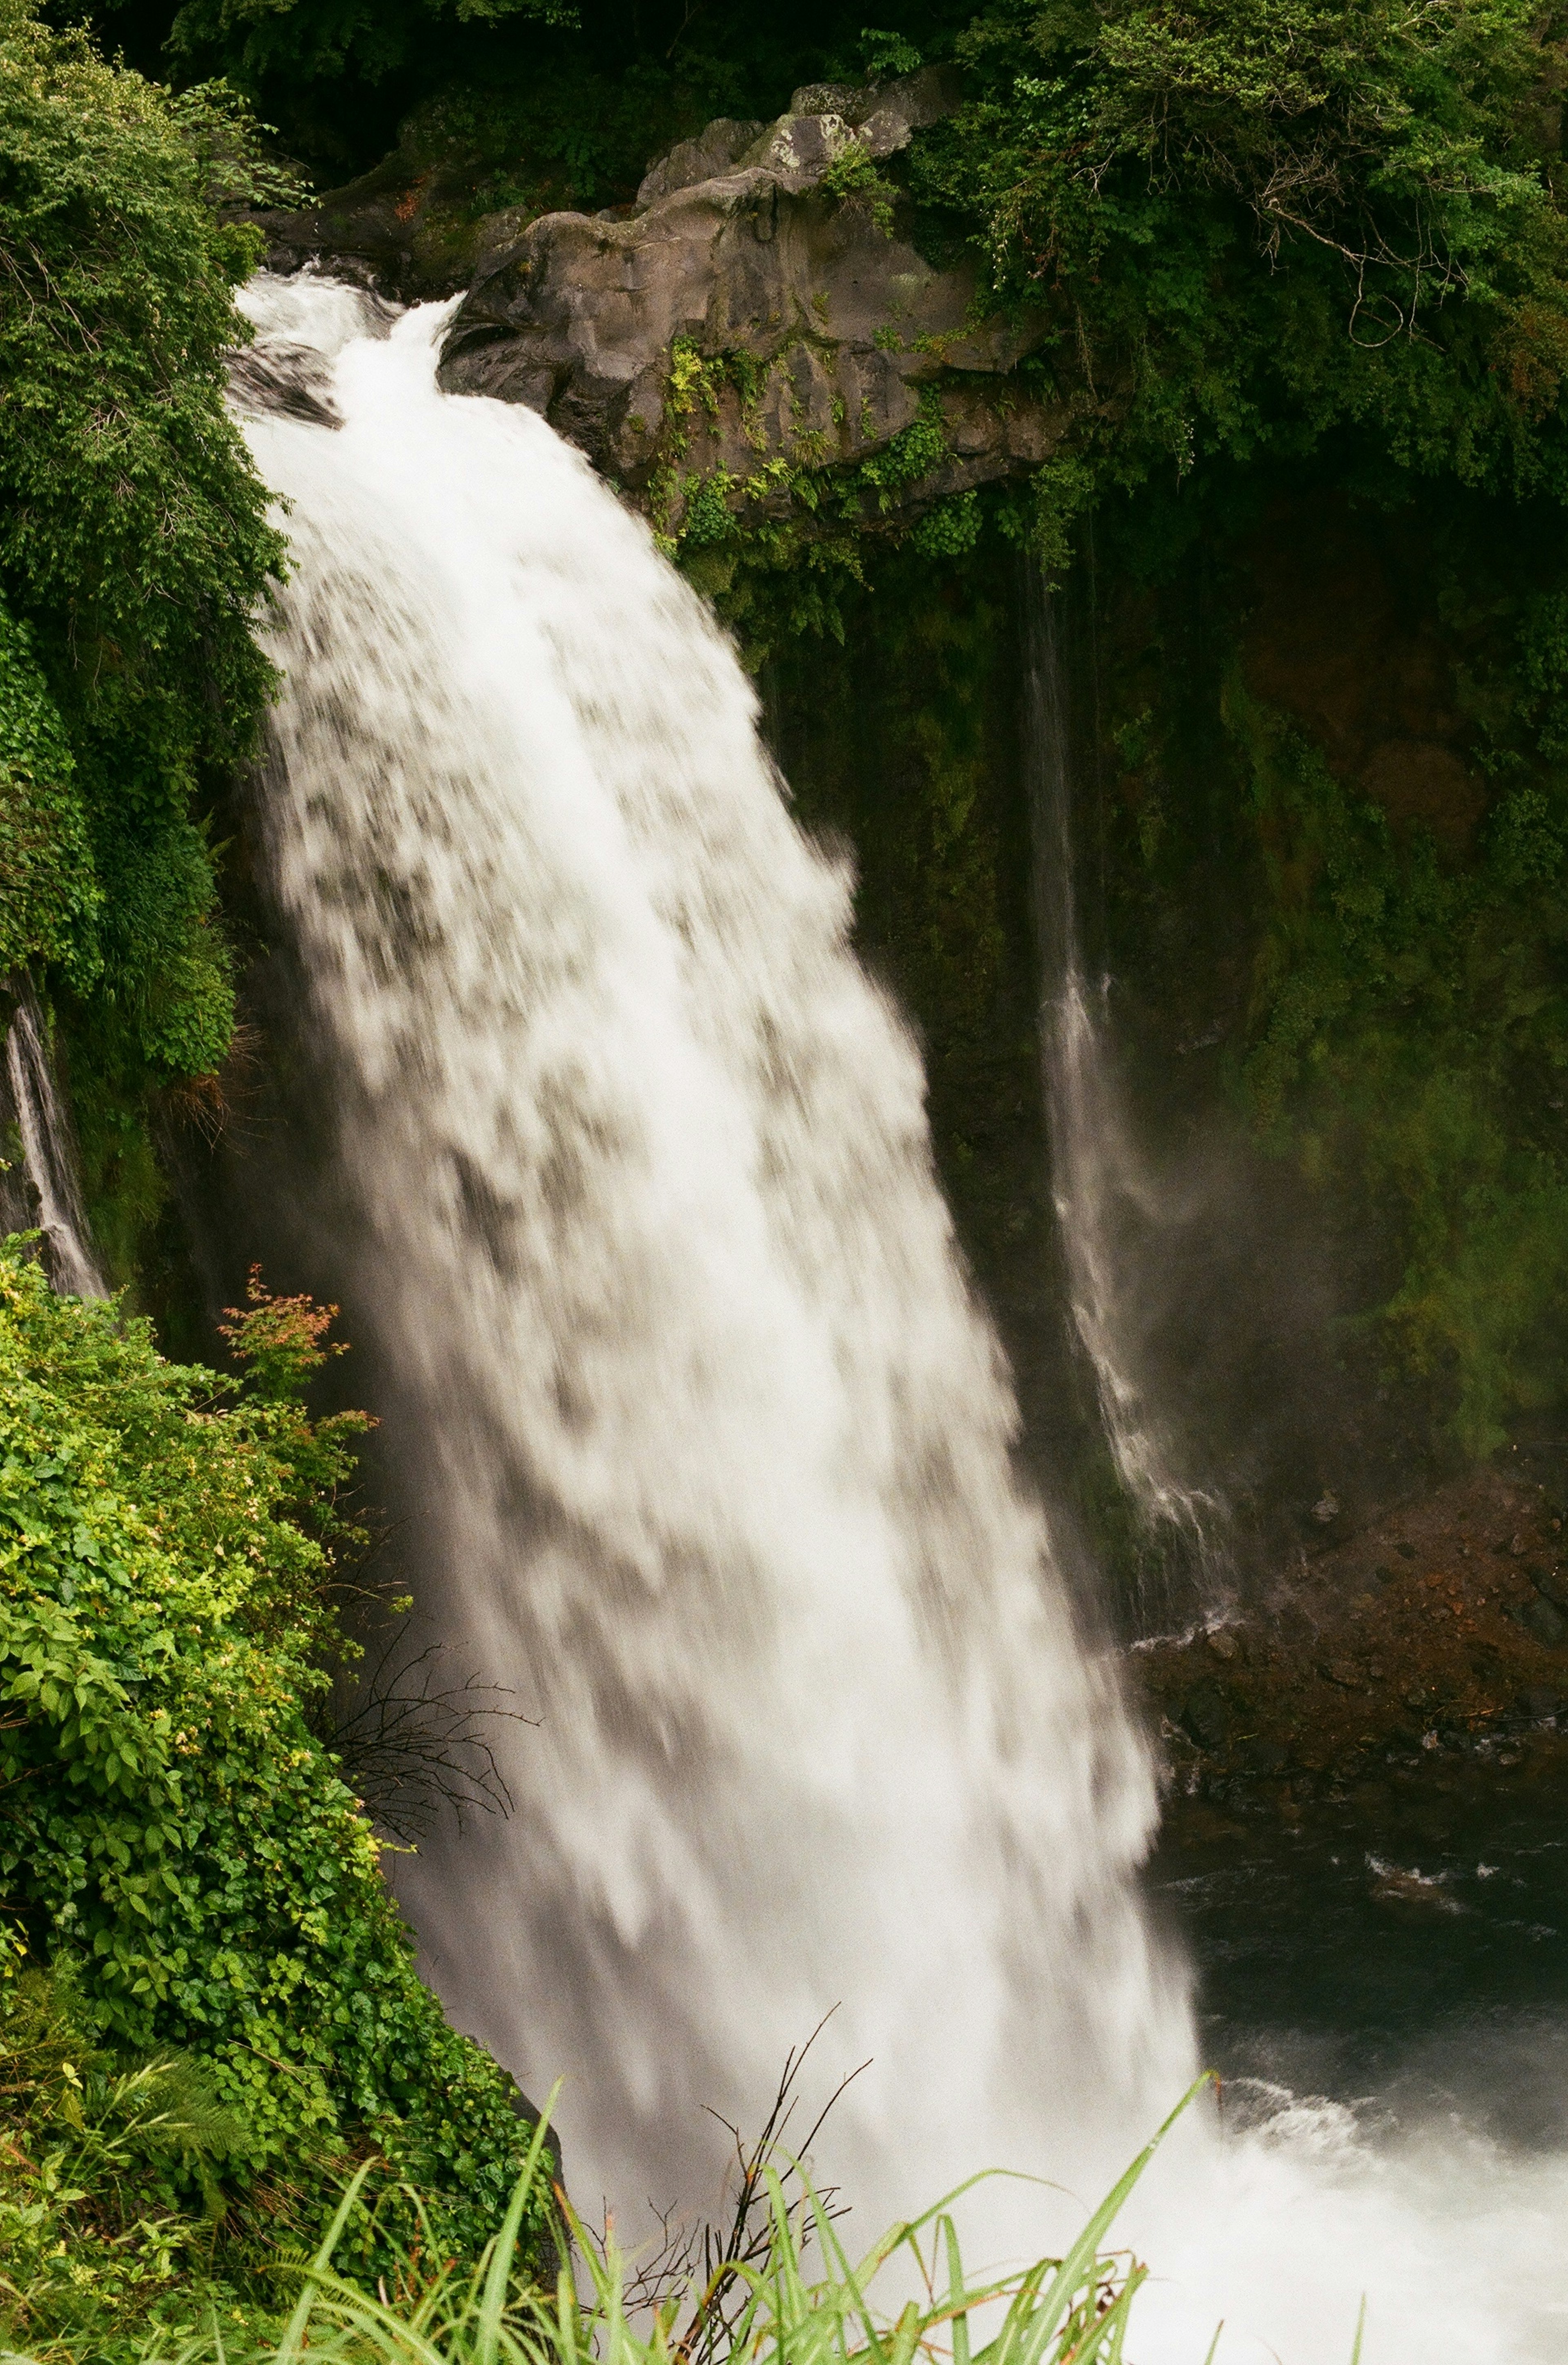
column 110, row 2191
column 50, row 897
column 1248, row 223
column 175, row 1841
column 1409, row 1031
column 135, row 553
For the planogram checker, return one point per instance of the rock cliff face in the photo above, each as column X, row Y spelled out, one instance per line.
column 763, row 256
column 772, row 259
column 769, row 256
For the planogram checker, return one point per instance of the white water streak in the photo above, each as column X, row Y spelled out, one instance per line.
column 51, row 1155
column 1110, row 1209
column 720, row 1442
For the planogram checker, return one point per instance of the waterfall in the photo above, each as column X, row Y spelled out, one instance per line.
column 50, row 1155
column 630, row 1191
column 639, row 1169
column 1110, row 1208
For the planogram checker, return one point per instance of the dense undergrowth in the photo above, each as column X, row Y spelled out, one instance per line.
column 208, row 2008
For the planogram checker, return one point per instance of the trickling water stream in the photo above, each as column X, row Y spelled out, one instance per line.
column 1110, row 1209
column 631, row 1181
column 50, row 1155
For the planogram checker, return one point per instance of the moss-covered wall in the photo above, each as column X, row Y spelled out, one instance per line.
column 1318, row 860
column 1335, row 874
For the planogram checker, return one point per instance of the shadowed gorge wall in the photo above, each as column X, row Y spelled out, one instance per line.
column 1334, row 850
column 1335, row 987
column 903, row 741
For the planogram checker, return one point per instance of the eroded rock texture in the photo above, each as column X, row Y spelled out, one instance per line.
column 747, row 249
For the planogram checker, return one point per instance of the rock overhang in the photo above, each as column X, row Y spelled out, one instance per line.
column 821, row 326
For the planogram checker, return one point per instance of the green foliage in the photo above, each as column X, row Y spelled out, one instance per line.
column 950, row 528
column 556, row 106
column 911, row 455
column 50, row 897
column 1528, row 841
column 135, row 551
column 1408, row 1016
column 781, row 549
column 176, row 1840
column 307, row 40
column 132, row 531
column 882, row 54
column 110, row 2178
column 852, row 177
column 235, row 161
column 1540, row 673
column 1244, row 222
column 783, row 2291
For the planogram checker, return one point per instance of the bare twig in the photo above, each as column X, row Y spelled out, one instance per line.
column 412, row 1742
column 724, row 2255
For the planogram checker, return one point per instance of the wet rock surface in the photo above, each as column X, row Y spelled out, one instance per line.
column 717, row 149
column 822, row 323
column 1366, row 1789
column 407, row 230
column 1436, row 1628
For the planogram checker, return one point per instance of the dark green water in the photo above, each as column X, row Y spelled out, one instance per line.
column 1407, row 1945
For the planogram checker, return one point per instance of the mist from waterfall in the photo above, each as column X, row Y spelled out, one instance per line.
column 631, row 1183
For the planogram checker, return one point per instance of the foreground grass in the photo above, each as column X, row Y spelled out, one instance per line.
column 782, row 2290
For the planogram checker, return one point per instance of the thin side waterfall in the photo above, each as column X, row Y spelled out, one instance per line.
column 629, row 1180
column 1110, row 1208
column 50, row 1152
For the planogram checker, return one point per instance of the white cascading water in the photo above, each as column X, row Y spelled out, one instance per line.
column 1109, row 1209
column 712, row 1442
column 50, row 1155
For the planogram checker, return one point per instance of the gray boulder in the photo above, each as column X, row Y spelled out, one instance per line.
column 915, row 100
column 723, row 144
